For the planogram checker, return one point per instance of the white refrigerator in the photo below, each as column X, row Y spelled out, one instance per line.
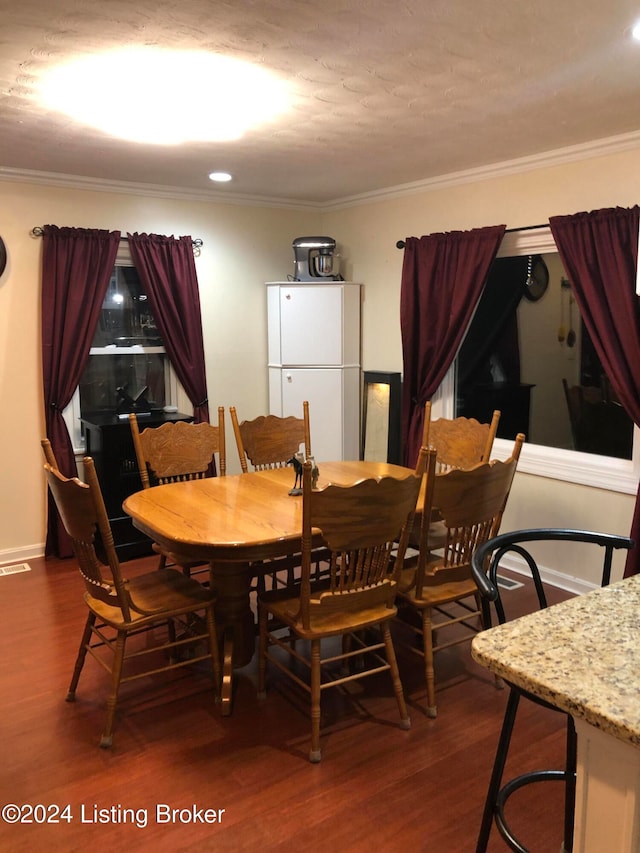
column 314, row 354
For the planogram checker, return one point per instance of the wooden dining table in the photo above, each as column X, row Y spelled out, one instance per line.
column 232, row 522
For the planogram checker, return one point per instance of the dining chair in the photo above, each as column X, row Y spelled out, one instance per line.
column 179, row 450
column 359, row 525
column 440, row 588
column 121, row 608
column 49, row 456
column 174, row 452
column 484, row 566
column 268, row 442
column 459, row 442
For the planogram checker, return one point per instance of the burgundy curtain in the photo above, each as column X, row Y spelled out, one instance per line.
column 599, row 251
column 442, row 280
column 167, row 271
column 76, row 267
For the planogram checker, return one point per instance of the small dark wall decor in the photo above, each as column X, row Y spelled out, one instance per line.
column 3, row 256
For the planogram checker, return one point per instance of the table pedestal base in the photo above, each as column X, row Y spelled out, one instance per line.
column 235, row 621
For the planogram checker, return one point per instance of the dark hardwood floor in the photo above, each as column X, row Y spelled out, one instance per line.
column 377, row 787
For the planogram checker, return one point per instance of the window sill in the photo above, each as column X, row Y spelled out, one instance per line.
column 586, row 469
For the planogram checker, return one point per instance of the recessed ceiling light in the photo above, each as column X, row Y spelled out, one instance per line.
column 635, row 32
column 220, row 177
column 165, row 97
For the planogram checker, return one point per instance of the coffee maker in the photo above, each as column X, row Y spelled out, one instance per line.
column 315, row 259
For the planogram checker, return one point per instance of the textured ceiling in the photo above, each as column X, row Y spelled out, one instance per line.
column 387, row 92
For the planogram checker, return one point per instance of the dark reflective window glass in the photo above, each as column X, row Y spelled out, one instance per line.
column 531, row 357
column 129, row 366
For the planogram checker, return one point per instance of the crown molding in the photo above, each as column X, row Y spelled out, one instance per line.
column 558, row 157
column 78, row 182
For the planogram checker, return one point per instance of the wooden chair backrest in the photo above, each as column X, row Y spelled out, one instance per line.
column 470, row 503
column 83, row 513
column 179, row 451
column 48, row 452
column 459, row 442
column 269, row 441
column 361, row 526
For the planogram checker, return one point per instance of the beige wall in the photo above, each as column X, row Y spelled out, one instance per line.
column 243, row 248
column 367, row 235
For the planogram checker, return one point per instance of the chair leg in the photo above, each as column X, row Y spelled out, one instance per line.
column 116, row 674
column 427, row 639
column 82, row 654
column 570, row 785
column 498, row 769
column 315, row 753
column 347, row 663
column 405, row 720
column 215, row 652
column 478, row 600
column 260, row 582
column 171, row 631
column 262, row 651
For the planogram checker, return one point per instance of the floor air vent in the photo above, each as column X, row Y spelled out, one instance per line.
column 14, row 570
column 508, row 583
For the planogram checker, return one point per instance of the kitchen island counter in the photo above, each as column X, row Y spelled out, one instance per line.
column 583, row 656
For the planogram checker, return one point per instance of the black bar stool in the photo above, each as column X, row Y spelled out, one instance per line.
column 487, row 580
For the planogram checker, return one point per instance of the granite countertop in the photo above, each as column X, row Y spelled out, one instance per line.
column 582, row 655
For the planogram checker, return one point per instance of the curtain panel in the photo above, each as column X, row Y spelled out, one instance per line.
column 494, row 328
column 442, row 279
column 76, row 267
column 167, row 270
column 599, row 251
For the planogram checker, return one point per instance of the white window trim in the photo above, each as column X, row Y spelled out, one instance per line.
column 587, row 469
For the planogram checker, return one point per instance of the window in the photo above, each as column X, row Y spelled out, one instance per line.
column 127, row 362
column 604, row 456
column 528, row 354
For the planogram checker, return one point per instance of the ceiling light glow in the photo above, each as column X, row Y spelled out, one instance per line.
column 220, row 177
column 165, row 97
column 635, row 32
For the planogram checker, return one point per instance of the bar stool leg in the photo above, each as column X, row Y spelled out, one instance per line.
column 570, row 785
column 498, row 769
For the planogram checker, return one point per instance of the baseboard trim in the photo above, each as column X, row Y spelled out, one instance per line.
column 569, row 583
column 21, row 555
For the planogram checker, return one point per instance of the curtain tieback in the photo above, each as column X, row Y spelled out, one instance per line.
column 55, row 407
column 203, row 402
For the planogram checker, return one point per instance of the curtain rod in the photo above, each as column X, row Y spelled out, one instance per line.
column 401, row 244
column 196, row 242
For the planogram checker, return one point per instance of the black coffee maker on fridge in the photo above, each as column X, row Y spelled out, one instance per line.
column 316, row 259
